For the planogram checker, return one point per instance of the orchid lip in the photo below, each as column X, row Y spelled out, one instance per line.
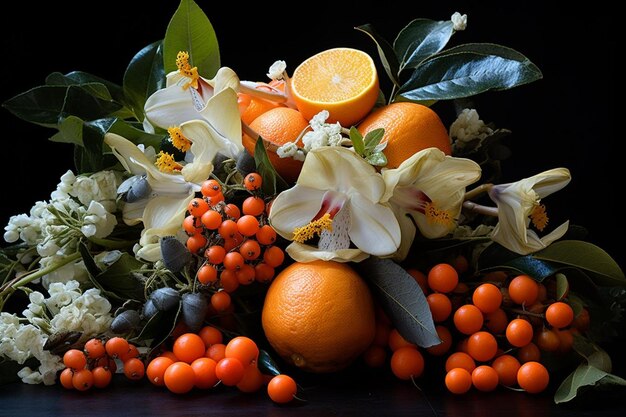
column 332, row 202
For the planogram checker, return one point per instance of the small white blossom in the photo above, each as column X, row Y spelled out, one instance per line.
column 28, row 376
column 323, row 134
column 287, row 150
column 98, row 222
column 459, row 21
column 276, row 70
column 100, row 187
column 469, row 126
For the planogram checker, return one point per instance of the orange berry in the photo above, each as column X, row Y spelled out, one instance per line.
column 195, row 243
column 458, row 381
column 74, row 359
column 446, row 341
column 230, row 371
column 216, row 352
column 559, row 315
column 245, row 274
column 220, row 301
column 215, row 254
column 407, row 362
column 210, row 335
column 266, row 235
column 233, row 260
column 254, row 206
column 179, row 377
column 397, row 341
column 252, row 181
column 468, row 319
column 460, row 360
column 82, row 379
column 242, row 348
column 197, row 207
column 134, row 368
column 523, row 290
column 232, row 211
column 487, row 297
column 482, row 346
column 497, row 321
column 420, row 278
column 116, row 347
column 485, row 378
column 228, row 229
column 156, row 369
column 252, row 380
column 547, row 340
column 440, row 306
column 375, row 356
column 263, row 272
column 204, row 373
column 529, row 353
column 519, row 332
column 210, row 188
column 228, row 280
column 248, row 225
column 207, row 274
column 282, row 389
column 211, row 219
column 533, row 377
column 443, row 278
column 66, row 378
column 250, row 250
column 506, row 366
column 273, row 256
column 188, row 347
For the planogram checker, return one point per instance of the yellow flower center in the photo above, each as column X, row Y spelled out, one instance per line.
column 166, row 163
column 539, row 217
column 179, row 140
column 182, row 62
column 436, row 215
column 304, row 233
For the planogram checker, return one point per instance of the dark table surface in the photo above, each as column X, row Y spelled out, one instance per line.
column 343, row 394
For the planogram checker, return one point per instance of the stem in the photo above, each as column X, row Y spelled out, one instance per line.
column 477, row 208
column 483, row 188
column 248, row 87
column 524, row 312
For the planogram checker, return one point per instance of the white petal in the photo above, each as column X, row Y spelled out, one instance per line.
column 150, row 252
column 222, row 114
column 407, row 228
column 340, row 169
column 124, row 150
column 293, row 208
column 132, row 213
column 170, row 106
column 165, row 213
column 374, row 228
column 549, row 181
column 301, row 252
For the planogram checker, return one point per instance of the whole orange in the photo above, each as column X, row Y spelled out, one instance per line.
column 319, row 315
column 409, row 128
column 279, row 126
column 251, row 106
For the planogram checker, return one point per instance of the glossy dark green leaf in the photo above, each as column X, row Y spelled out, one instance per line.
column 386, row 53
column 135, row 135
column 266, row 364
column 468, row 70
column 272, row 182
column 562, row 286
column 47, row 104
column 190, row 30
column 119, row 280
column 81, row 78
column 587, row 256
column 89, row 157
column 70, row 131
column 402, row 298
column 420, row 39
column 496, row 256
column 144, row 75
column 584, row 377
column 357, row 141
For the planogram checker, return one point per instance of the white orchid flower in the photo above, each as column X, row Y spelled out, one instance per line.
column 429, row 187
column 338, row 197
column 186, row 95
column 519, row 206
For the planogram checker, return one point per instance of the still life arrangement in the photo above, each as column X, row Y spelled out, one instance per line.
column 216, row 231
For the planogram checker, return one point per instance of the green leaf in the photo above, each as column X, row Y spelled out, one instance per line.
column 585, row 376
column 420, row 39
column 377, row 159
column 144, row 75
column 89, row 156
column 373, row 138
column 468, row 70
column 119, row 280
column 70, row 131
column 386, row 53
column 562, row 286
column 266, row 364
column 587, row 256
column 495, row 256
column 111, row 90
column 402, row 298
column 357, row 141
column 47, row 104
column 190, row 30
column 272, row 182
column 135, row 135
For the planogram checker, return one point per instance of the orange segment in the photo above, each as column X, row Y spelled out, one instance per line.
column 409, row 128
column 341, row 80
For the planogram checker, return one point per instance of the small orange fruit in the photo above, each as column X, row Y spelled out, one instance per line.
column 251, row 107
column 342, row 81
column 319, row 315
column 279, row 126
column 409, row 128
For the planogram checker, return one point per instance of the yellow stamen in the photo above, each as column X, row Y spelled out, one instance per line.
column 179, row 140
column 539, row 217
column 182, row 62
column 166, row 163
column 436, row 215
column 304, row 233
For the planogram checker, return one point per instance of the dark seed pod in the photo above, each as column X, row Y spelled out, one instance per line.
column 218, row 163
column 139, row 190
column 195, row 309
column 175, row 254
column 245, row 163
column 125, row 322
column 149, row 309
column 165, row 298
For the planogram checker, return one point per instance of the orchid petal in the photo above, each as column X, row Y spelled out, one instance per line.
column 166, row 212
column 340, row 169
column 170, row 106
column 548, row 182
column 374, row 228
column 222, row 114
column 407, row 236
column 132, row 213
column 293, row 208
column 301, row 252
column 129, row 155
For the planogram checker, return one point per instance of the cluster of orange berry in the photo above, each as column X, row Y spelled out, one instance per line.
column 237, row 243
column 501, row 326
column 202, row 361
column 95, row 365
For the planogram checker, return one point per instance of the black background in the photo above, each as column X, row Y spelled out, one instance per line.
column 567, row 119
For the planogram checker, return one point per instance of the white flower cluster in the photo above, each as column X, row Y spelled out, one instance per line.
column 277, row 70
column 459, row 21
column 80, row 206
column 468, row 127
column 322, row 134
column 67, row 309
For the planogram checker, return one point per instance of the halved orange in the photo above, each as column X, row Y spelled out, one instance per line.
column 342, row 81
